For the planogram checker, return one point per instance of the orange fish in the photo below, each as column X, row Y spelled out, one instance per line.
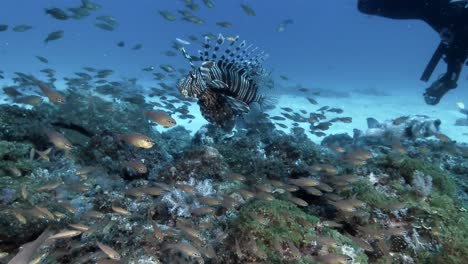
column 137, row 165
column 442, row 137
column 54, row 96
column 161, row 118
column 32, row 100
column 137, row 140
column 59, row 140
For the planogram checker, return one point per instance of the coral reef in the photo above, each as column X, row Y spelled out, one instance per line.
column 255, row 195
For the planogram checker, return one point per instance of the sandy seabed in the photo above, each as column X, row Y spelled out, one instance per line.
column 357, row 106
column 360, row 107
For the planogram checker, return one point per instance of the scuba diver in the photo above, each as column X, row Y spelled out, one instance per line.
column 449, row 18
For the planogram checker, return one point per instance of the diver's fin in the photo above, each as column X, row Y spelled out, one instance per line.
column 237, row 105
column 436, row 57
column 372, row 123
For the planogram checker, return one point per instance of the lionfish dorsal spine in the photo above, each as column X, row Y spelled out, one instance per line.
column 219, row 43
column 228, row 50
column 245, row 55
column 205, row 69
column 188, row 57
column 206, row 49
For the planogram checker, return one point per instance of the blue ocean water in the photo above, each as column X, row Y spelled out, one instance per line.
column 152, row 187
column 330, row 44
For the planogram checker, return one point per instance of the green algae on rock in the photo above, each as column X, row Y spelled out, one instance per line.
column 278, row 232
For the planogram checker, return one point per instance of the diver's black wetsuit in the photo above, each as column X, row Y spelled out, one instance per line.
column 450, row 20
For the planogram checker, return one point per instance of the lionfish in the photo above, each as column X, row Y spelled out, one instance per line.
column 227, row 86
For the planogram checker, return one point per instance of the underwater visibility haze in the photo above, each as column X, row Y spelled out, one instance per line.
column 240, row 131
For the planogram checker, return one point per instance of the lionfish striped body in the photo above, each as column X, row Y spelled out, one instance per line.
column 226, row 86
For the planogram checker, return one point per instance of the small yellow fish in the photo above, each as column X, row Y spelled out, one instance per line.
column 43, row 211
column 32, row 100
column 313, row 191
column 248, row 10
column 110, row 252
column 137, row 140
column 120, row 210
column 260, row 218
column 52, row 94
column 210, row 201
column 361, row 154
column 68, row 207
column 345, row 205
column 161, row 118
column 324, row 187
column 264, row 188
column 235, row 177
column 291, row 188
column 49, row 187
column 337, row 149
column 135, row 192
column 298, row 201
column 137, row 165
column 59, row 140
column 43, row 154
column 79, row 227
column 153, row 191
column 20, row 217
column 66, row 234
column 86, row 170
column 329, row 169
column 59, row 215
column 94, row 214
column 200, row 211
column 186, row 249
column 247, row 195
column 264, row 196
column 442, row 137
column 224, row 24
column 333, row 259
column 304, row 182
column 24, row 192
column 185, row 187
column 190, row 231
column 14, row 171
column 158, row 234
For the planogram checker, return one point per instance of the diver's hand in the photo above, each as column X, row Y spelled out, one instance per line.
column 437, row 90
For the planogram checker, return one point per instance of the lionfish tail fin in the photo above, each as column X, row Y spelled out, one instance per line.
column 267, row 102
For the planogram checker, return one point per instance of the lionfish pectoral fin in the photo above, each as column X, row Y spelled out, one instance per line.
column 217, row 84
column 238, row 106
column 207, row 64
